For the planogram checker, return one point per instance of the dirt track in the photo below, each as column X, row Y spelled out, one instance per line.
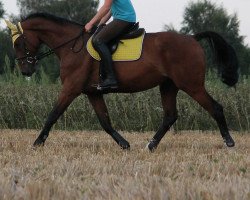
column 89, row 165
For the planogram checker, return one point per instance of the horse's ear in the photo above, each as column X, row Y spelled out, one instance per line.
column 16, row 31
column 10, row 25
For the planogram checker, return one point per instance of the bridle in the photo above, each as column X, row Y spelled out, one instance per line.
column 33, row 59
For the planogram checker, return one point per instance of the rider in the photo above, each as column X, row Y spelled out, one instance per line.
column 124, row 17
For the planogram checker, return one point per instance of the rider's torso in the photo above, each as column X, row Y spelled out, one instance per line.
column 123, row 10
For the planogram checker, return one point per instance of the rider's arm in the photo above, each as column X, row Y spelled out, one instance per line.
column 99, row 15
column 105, row 18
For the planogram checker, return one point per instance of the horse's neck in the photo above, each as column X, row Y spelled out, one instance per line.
column 51, row 33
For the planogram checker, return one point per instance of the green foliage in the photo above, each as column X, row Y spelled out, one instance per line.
column 5, row 44
column 207, row 16
column 204, row 15
column 6, row 49
column 2, row 11
column 13, row 76
column 77, row 10
column 22, row 100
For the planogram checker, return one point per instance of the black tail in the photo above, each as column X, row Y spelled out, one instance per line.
column 225, row 56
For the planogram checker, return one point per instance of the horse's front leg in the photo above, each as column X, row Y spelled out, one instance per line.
column 64, row 100
column 100, row 108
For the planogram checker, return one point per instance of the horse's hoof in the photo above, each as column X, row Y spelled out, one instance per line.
column 229, row 141
column 152, row 145
column 38, row 143
column 125, row 145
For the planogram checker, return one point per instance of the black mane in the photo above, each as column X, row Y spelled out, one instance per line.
column 51, row 17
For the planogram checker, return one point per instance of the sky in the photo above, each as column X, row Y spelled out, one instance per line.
column 154, row 14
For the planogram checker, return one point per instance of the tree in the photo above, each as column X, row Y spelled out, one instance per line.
column 6, row 50
column 5, row 44
column 206, row 16
column 77, row 10
column 2, row 12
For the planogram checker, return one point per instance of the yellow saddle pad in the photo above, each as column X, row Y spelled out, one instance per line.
column 127, row 50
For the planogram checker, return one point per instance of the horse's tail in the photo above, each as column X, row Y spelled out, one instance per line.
column 225, row 56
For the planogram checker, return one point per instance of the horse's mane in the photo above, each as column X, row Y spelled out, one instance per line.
column 50, row 17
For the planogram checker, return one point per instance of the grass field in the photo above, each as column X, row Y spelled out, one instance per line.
column 89, row 165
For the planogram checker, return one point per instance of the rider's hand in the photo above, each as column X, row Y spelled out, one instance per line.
column 88, row 27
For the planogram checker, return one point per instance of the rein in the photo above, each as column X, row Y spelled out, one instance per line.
column 34, row 59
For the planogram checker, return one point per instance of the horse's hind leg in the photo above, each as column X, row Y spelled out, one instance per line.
column 100, row 108
column 168, row 97
column 216, row 111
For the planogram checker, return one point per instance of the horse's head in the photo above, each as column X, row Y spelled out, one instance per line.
column 26, row 46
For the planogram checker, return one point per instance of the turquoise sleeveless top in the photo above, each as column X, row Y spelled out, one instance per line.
column 123, row 10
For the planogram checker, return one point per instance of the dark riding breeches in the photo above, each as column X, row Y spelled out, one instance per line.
column 111, row 31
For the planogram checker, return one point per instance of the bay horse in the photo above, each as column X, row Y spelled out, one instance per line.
column 169, row 60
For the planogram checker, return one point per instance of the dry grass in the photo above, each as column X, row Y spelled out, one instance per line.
column 89, row 165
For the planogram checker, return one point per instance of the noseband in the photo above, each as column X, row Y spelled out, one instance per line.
column 29, row 58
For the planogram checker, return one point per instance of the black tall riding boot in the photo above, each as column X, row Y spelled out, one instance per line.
column 107, row 78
